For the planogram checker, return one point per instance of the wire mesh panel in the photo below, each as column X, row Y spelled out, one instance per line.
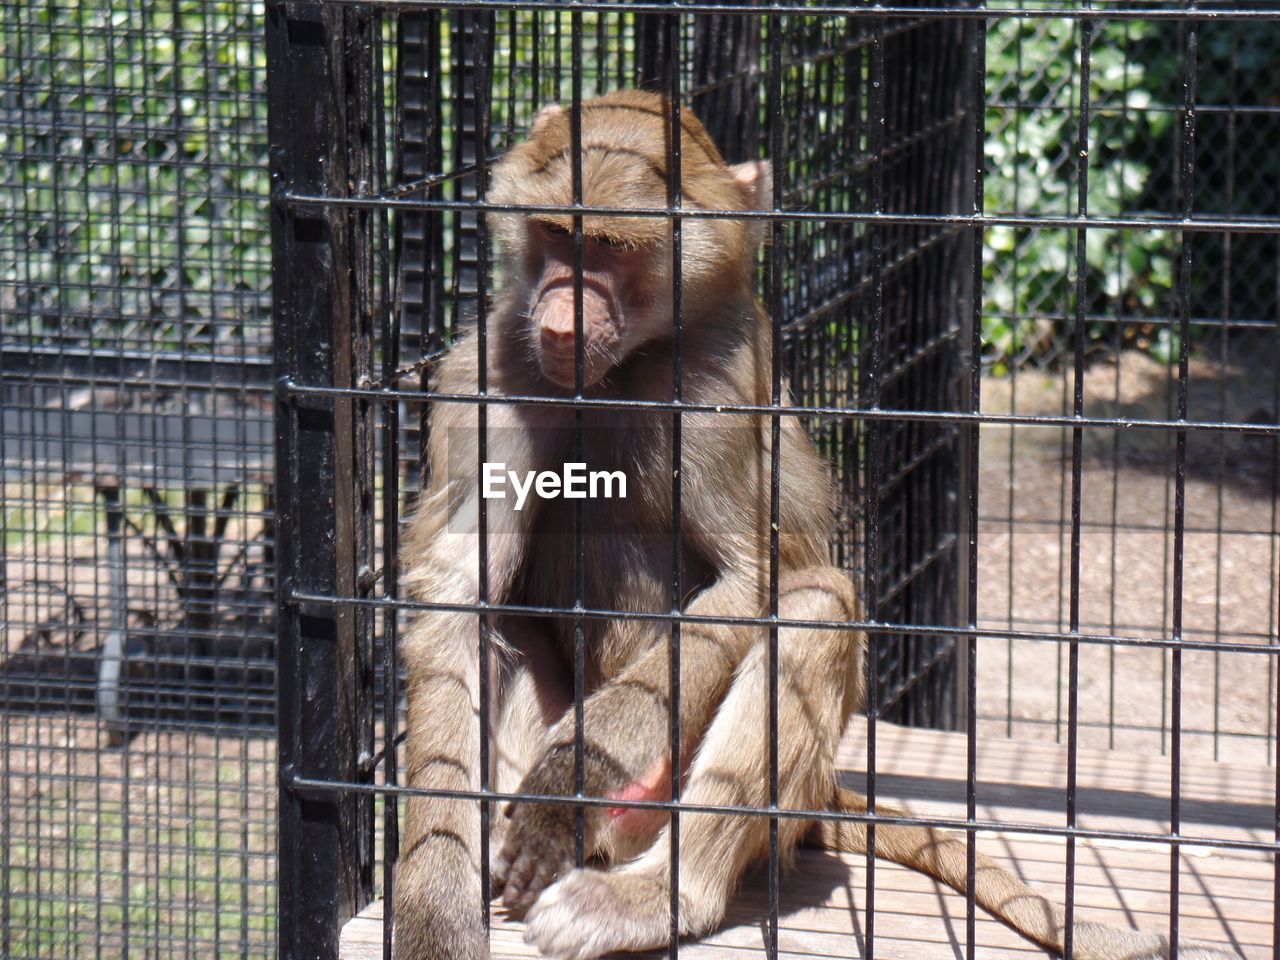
column 137, row 578
column 468, row 83
column 1176, row 536
column 1020, row 277
column 917, row 273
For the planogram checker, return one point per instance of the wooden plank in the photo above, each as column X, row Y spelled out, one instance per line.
column 1025, row 782
column 1227, row 896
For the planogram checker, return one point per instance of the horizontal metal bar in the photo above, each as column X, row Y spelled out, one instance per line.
column 60, row 777
column 1108, row 107
column 1262, row 225
column 1231, row 323
column 289, row 595
column 289, row 388
column 858, row 11
column 1228, row 530
column 1188, row 729
column 51, row 378
column 305, row 785
column 1033, row 624
column 108, row 367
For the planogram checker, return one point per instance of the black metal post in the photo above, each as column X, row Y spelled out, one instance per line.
column 112, row 662
column 325, row 871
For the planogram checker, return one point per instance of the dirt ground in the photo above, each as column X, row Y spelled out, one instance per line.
column 166, row 843
column 1126, row 582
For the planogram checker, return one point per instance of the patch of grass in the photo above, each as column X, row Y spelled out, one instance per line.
column 86, row 876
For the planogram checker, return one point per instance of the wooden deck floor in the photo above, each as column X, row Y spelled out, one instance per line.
column 1227, row 896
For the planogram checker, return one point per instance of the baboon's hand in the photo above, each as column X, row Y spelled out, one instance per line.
column 538, row 846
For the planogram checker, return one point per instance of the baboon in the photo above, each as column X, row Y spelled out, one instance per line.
column 621, row 899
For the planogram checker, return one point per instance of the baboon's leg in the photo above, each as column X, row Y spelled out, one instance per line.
column 626, row 748
column 592, row 912
column 438, row 901
column 537, row 690
column 439, row 911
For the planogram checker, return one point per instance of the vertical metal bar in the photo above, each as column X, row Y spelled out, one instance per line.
column 1010, row 526
column 1188, row 171
column 674, row 200
column 1077, row 456
column 418, row 243
column 1273, row 716
column 579, row 558
column 364, row 121
column 874, row 434
column 973, row 437
column 466, row 31
column 514, row 52
column 433, row 239
column 417, row 148
column 651, row 52
column 602, row 50
column 777, row 264
column 557, row 53
column 390, row 437
column 15, row 484
column 480, row 39
column 1224, row 360
column 1117, row 345
column 1064, row 498
column 321, row 883
column 535, row 55
column 10, row 618
column 1273, row 615
column 130, row 833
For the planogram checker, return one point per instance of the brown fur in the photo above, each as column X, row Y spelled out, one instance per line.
column 724, row 569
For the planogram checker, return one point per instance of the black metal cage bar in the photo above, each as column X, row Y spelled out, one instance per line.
column 894, row 300
column 819, row 311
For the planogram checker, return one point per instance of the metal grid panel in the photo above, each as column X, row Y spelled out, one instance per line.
column 137, row 672
column 834, row 281
column 897, row 393
column 831, row 277
column 134, row 373
column 1123, row 315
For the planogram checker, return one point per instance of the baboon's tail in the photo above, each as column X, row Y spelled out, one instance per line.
column 944, row 856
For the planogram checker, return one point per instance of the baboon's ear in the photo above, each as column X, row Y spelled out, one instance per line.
column 545, row 116
column 755, row 179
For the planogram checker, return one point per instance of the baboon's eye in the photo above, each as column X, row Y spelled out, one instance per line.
column 555, row 228
column 613, row 243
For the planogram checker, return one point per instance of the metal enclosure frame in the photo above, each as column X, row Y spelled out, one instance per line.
column 325, row 216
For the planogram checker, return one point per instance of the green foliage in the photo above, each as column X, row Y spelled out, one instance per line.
column 1133, row 163
column 1033, row 168
column 132, row 172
